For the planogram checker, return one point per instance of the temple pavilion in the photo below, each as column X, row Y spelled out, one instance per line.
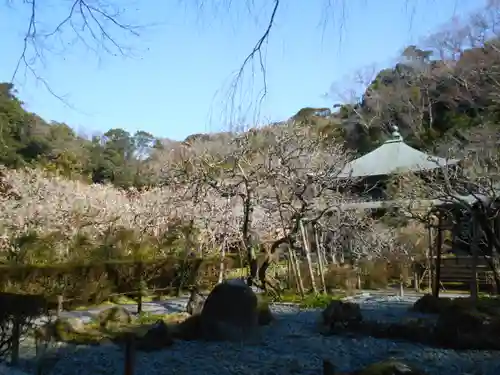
column 370, row 173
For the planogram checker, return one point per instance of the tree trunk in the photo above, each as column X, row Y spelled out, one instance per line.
column 319, row 251
column 323, row 248
column 289, row 272
column 246, row 236
column 308, row 257
column 401, row 286
column 333, row 257
column 294, row 266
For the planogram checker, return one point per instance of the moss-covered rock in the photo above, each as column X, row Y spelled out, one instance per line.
column 65, row 328
column 116, row 315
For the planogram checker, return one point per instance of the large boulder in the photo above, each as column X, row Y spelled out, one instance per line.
column 157, row 337
column 189, row 329
column 428, row 304
column 116, row 315
column 339, row 315
column 230, row 312
column 390, row 367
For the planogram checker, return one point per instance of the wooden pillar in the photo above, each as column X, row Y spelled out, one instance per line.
column 430, row 258
column 439, row 250
column 140, row 285
column 474, row 250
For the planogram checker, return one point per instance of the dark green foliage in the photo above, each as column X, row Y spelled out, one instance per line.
column 20, row 309
column 21, row 305
column 28, row 140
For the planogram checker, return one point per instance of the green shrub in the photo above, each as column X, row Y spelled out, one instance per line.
column 340, row 277
column 374, row 275
column 317, row 301
column 311, row 300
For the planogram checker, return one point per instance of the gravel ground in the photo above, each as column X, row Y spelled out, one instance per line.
column 291, row 345
column 6, row 370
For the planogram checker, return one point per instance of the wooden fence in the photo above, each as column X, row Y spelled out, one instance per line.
column 456, row 272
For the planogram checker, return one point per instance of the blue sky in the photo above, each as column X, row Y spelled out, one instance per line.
column 177, row 81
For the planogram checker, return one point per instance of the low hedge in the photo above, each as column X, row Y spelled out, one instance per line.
column 94, row 282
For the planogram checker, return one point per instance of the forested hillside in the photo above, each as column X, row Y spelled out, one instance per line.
column 29, row 141
column 435, row 103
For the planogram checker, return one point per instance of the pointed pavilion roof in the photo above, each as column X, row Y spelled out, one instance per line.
column 393, row 156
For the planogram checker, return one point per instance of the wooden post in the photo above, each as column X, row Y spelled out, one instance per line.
column 439, row 248
column 139, row 303
column 289, row 272
column 16, row 337
column 140, row 285
column 129, row 354
column 328, row 368
column 305, row 241
column 296, row 271
column 416, row 277
column 60, row 305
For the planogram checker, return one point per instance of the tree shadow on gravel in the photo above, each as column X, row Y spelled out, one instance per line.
column 292, row 343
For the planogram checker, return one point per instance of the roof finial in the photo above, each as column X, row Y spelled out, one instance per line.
column 396, row 135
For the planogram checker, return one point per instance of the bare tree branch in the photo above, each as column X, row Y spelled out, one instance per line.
column 96, row 24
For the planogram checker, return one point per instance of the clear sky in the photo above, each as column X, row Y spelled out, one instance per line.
column 177, row 81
